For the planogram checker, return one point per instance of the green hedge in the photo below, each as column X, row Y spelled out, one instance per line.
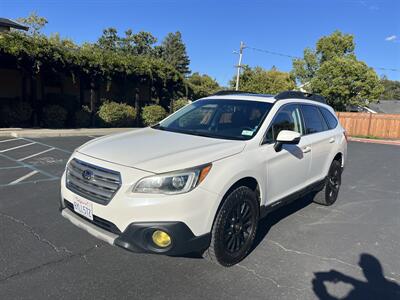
column 18, row 114
column 83, row 117
column 54, row 116
column 153, row 114
column 179, row 103
column 113, row 114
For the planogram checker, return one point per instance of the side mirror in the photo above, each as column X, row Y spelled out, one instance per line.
column 286, row 137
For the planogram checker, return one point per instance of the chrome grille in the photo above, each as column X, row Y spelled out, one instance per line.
column 92, row 182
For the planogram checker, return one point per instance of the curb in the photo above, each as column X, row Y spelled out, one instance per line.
column 375, row 141
column 38, row 133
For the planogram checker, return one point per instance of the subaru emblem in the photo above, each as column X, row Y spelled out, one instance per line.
column 87, row 174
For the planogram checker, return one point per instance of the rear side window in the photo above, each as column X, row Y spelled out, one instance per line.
column 314, row 122
column 329, row 117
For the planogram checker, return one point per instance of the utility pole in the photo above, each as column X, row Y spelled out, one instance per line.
column 239, row 66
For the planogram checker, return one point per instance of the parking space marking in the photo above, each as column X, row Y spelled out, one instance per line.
column 30, row 181
column 43, row 144
column 13, row 167
column 17, row 147
column 24, row 177
column 36, row 154
column 9, row 140
column 28, row 166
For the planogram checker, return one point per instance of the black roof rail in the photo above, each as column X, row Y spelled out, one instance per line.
column 300, row 95
column 230, row 92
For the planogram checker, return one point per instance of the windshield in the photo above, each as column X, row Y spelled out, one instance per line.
column 218, row 118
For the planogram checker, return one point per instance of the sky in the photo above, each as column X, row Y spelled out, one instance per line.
column 212, row 30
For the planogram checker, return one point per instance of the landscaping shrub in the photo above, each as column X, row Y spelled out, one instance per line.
column 179, row 103
column 54, row 116
column 113, row 114
column 83, row 117
column 153, row 114
column 18, row 114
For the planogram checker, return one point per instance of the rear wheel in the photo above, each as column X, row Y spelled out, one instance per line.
column 330, row 191
column 234, row 228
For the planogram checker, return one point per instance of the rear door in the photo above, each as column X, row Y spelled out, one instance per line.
column 320, row 140
column 287, row 169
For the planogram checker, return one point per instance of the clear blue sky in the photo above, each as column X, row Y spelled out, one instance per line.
column 212, row 29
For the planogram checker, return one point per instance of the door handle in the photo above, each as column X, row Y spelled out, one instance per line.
column 331, row 140
column 306, row 149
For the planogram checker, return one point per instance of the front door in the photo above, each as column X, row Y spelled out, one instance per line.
column 286, row 170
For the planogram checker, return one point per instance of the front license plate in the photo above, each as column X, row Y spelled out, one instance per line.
column 84, row 208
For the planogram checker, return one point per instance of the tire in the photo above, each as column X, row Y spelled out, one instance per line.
column 328, row 195
column 234, row 228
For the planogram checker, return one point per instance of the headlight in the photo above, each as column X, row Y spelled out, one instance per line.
column 173, row 183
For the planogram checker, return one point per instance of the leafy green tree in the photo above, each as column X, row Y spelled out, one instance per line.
column 333, row 70
column 174, row 52
column 392, row 89
column 335, row 45
column 179, row 103
column 343, row 81
column 35, row 23
column 141, row 43
column 201, row 86
column 259, row 80
column 109, row 40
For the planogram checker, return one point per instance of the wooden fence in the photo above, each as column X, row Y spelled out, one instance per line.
column 375, row 125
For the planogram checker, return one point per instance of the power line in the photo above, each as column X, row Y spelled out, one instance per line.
column 274, row 53
column 297, row 57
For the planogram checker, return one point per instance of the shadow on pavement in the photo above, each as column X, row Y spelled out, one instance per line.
column 279, row 214
column 376, row 286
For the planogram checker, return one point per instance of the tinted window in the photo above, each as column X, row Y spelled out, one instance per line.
column 313, row 119
column 288, row 118
column 330, row 119
column 218, row 118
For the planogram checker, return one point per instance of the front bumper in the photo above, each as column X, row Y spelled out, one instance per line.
column 137, row 236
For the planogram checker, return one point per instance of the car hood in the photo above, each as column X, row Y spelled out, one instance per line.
column 160, row 151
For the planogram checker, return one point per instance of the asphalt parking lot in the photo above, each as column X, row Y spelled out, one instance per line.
column 303, row 251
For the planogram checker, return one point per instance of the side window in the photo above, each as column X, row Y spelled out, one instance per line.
column 314, row 122
column 329, row 117
column 288, row 118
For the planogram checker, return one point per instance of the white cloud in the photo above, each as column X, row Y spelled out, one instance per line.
column 391, row 38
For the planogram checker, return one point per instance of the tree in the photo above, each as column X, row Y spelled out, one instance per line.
column 334, row 71
column 201, row 86
column 344, row 81
column 174, row 52
column 140, row 43
column 392, row 89
column 35, row 23
column 109, row 40
column 259, row 80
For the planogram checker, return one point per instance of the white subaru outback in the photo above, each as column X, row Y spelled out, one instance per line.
column 200, row 180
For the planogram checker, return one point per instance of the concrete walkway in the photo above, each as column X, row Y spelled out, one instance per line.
column 35, row 133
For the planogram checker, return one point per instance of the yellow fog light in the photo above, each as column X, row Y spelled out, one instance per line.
column 161, row 238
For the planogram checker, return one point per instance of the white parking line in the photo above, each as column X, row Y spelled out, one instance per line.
column 9, row 140
column 13, row 148
column 24, row 177
column 33, row 155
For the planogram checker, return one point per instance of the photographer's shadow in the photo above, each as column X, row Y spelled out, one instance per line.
column 376, row 286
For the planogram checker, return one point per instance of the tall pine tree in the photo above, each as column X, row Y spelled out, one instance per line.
column 174, row 52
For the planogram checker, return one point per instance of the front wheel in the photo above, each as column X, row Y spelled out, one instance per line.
column 329, row 193
column 234, row 228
